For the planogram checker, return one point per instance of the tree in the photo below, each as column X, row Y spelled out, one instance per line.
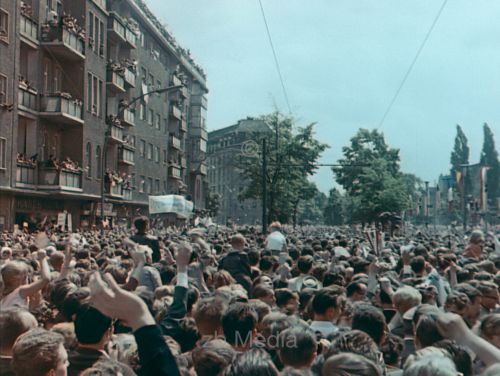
column 460, row 153
column 333, row 211
column 213, row 203
column 311, row 211
column 292, row 154
column 369, row 173
column 489, row 157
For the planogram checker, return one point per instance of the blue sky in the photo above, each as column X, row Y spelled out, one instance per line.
column 342, row 62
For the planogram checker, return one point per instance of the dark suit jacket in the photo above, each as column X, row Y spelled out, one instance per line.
column 151, row 242
column 237, row 264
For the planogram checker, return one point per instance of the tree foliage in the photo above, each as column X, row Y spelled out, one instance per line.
column 292, row 154
column 489, row 157
column 460, row 153
column 370, row 175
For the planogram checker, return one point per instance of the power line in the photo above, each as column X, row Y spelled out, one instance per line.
column 412, row 64
column 275, row 57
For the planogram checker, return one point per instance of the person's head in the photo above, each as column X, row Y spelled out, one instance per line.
column 392, row 349
column 370, row 320
column 430, row 365
column 92, row 327
column 208, row 316
column 272, row 325
column 474, row 295
column 56, row 260
column 297, row 347
column 39, row 352
column 356, row 342
column 67, row 330
column 141, row 224
column 326, row 305
column 222, row 278
column 212, row 357
column 239, row 323
column 457, row 302
column 347, row 364
column 265, row 294
column 238, row 242
column 356, row 291
column 275, row 226
column 418, row 265
column 107, row 367
column 305, row 263
column 287, row 300
column 490, row 328
column 251, row 363
column 405, row 298
column 426, row 330
column 489, row 294
column 13, row 323
column 460, row 356
column 14, row 274
column 476, row 237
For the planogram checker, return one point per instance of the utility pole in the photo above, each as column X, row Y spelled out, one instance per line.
column 427, row 204
column 264, row 186
column 464, row 195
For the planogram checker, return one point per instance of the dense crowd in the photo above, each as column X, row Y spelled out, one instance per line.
column 233, row 302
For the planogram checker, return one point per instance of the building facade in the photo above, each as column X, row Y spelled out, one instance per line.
column 226, row 149
column 70, row 124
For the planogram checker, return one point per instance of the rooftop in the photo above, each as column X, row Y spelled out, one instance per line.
column 245, row 125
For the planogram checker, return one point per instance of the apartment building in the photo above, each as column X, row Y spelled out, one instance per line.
column 227, row 148
column 71, row 123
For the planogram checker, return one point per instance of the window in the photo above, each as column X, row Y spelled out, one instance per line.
column 150, row 151
column 91, row 31
column 142, row 184
column 142, row 111
column 151, row 115
column 88, row 157
column 144, row 74
column 132, row 140
column 158, row 121
column 150, row 185
column 158, row 86
column 98, row 159
column 46, row 74
column 57, row 79
column 3, row 153
column 157, row 186
column 3, row 89
column 94, row 90
column 4, row 26
column 164, row 155
column 142, row 148
column 157, row 154
column 151, row 79
column 101, row 39
column 89, row 92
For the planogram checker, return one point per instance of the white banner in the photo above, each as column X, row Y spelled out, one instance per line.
column 170, row 204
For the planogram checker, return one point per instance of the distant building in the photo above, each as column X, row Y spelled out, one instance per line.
column 67, row 69
column 226, row 147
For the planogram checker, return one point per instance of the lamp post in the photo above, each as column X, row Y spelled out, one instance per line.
column 108, row 132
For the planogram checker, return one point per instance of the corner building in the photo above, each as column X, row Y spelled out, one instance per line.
column 68, row 71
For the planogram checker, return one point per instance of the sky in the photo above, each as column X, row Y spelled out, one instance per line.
column 342, row 62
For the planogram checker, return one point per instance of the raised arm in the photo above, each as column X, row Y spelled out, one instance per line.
column 32, row 288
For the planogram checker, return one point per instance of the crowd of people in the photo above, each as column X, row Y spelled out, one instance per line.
column 234, row 302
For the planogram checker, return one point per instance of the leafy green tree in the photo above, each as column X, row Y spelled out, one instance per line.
column 460, row 153
column 213, row 203
column 311, row 211
column 292, row 154
column 369, row 173
column 333, row 213
column 489, row 157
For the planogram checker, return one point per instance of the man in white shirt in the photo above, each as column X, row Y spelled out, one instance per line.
column 275, row 241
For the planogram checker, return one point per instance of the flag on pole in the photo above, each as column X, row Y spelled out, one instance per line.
column 483, row 195
column 450, row 199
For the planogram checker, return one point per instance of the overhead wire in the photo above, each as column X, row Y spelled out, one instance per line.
column 410, row 68
column 276, row 62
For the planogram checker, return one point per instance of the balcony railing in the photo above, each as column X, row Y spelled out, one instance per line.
column 116, row 29
column 174, row 172
column 28, row 28
column 65, row 180
column 130, row 36
column 183, row 126
column 115, row 190
column 175, row 112
column 175, row 143
column 116, row 82
column 130, row 77
column 128, row 117
column 183, row 162
column 63, row 44
column 62, row 109
column 25, row 174
column 27, row 98
column 127, row 155
column 116, row 133
column 203, row 169
column 176, row 81
column 127, row 193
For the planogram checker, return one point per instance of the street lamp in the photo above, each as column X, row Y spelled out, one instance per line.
column 108, row 132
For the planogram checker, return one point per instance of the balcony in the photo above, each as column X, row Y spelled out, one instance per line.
column 63, row 44
column 127, row 155
column 203, row 169
column 176, row 81
column 175, row 112
column 130, row 77
column 25, row 175
column 116, row 29
column 27, row 98
column 174, row 172
column 29, row 30
column 127, row 194
column 115, row 190
column 62, row 110
column 127, row 117
column 183, row 127
column 199, row 132
column 115, row 82
column 175, row 143
column 130, row 37
column 183, row 162
column 59, row 179
column 116, row 133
